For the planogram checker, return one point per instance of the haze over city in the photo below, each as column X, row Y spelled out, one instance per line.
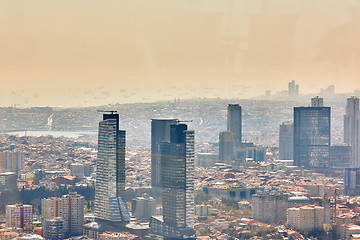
column 81, row 53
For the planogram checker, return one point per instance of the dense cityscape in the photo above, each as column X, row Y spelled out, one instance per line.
column 187, row 169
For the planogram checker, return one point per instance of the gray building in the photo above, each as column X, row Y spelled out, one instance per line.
column 312, row 136
column 270, row 207
column 234, row 122
column 54, row 229
column 226, row 147
column 286, row 141
column 340, row 156
column 8, row 182
column 110, row 172
column 160, row 132
column 352, row 129
column 177, row 180
column 143, row 207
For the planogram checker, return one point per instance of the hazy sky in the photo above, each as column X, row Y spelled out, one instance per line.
column 81, row 52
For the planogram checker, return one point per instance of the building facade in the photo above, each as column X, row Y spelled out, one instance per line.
column 11, row 161
column 306, row 218
column 352, row 129
column 234, row 122
column 286, row 141
column 19, row 216
column 226, row 147
column 110, row 172
column 177, row 180
column 312, row 136
column 160, row 132
column 8, row 182
column 70, row 208
column 270, row 207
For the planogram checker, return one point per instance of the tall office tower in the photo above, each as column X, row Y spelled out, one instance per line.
column 177, row 180
column 286, row 141
column 11, row 161
column 352, row 129
column 226, row 147
column 110, row 205
column 293, row 89
column 317, row 102
column 160, row 132
column 312, row 136
column 70, row 208
column 234, row 123
column 19, row 216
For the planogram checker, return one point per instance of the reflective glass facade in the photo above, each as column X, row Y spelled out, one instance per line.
column 312, row 136
column 110, row 171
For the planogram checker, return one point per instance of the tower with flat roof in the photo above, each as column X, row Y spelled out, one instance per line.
column 110, row 204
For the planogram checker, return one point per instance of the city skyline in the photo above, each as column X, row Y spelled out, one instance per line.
column 203, row 49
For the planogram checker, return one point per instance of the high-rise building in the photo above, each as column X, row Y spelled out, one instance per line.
column 54, row 229
column 8, row 182
column 352, row 181
column 234, row 123
column 143, row 207
column 293, row 89
column 51, row 208
column 110, row 205
column 317, row 102
column 340, row 156
column 70, row 208
column 352, row 129
column 226, row 147
column 11, row 161
column 306, row 218
column 312, row 136
column 177, row 181
column 19, row 216
column 286, row 141
column 160, row 132
column 270, row 206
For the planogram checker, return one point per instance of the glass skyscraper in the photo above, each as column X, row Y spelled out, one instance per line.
column 234, row 123
column 160, row 132
column 352, row 129
column 312, row 136
column 110, row 172
column 177, row 179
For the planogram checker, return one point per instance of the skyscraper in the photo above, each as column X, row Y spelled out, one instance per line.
column 352, row 129
column 286, row 141
column 312, row 136
column 110, row 172
column 234, row 123
column 293, row 89
column 226, row 147
column 177, row 179
column 160, row 131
